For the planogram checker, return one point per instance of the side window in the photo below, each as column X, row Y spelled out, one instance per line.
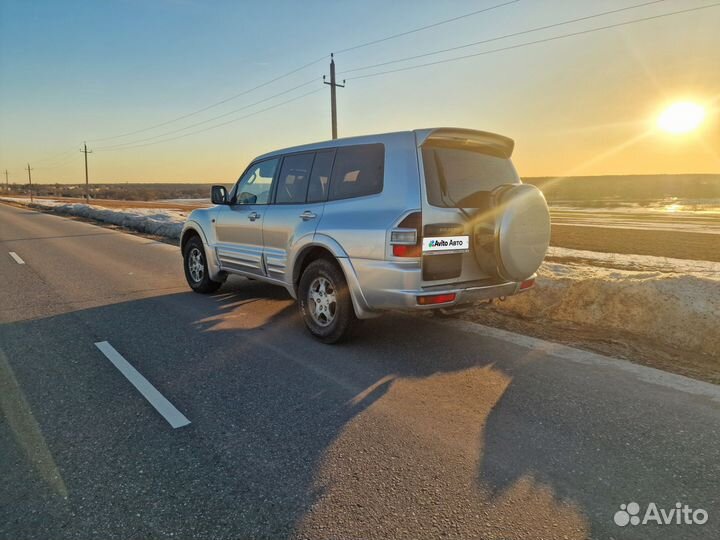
column 358, row 171
column 320, row 176
column 254, row 186
column 293, row 180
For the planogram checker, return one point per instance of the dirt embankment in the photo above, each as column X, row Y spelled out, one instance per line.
column 662, row 316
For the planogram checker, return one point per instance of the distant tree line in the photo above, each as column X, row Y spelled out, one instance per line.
column 125, row 192
column 587, row 189
column 633, row 188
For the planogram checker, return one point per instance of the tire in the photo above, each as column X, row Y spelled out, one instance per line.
column 332, row 317
column 196, row 268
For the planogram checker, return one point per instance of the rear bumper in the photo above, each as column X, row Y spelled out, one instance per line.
column 464, row 295
column 385, row 285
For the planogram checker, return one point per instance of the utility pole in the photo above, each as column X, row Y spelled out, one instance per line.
column 87, row 183
column 333, row 101
column 7, row 184
column 30, row 180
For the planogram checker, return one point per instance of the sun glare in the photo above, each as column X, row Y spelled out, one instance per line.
column 681, row 117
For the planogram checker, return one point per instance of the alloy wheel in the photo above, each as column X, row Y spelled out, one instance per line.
column 196, row 266
column 322, row 301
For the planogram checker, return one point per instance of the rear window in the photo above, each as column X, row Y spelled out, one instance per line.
column 358, row 171
column 458, row 177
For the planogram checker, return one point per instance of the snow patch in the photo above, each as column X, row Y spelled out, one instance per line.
column 680, row 309
column 156, row 221
column 630, row 262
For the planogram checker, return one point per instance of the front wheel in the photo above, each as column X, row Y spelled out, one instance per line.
column 324, row 301
column 196, row 268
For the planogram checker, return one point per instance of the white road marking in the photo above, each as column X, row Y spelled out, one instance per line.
column 16, row 257
column 581, row 356
column 174, row 417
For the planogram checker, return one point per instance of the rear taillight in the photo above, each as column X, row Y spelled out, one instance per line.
column 406, row 237
column 429, row 300
column 527, row 284
column 407, row 251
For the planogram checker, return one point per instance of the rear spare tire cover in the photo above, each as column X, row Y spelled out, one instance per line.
column 522, row 231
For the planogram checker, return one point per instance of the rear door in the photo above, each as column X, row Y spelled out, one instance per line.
column 239, row 225
column 460, row 170
column 299, row 200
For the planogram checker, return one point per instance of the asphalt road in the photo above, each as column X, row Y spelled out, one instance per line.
column 415, row 429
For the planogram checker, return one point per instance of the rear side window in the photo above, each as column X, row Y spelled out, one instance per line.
column 459, row 177
column 293, row 181
column 320, row 176
column 358, row 171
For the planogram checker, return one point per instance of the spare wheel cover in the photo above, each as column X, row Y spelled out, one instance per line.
column 522, row 231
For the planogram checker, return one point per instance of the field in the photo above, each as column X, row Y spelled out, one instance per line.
column 660, row 242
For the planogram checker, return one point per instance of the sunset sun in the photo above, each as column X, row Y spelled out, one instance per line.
column 681, row 117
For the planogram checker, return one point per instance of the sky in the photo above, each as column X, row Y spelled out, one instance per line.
column 75, row 71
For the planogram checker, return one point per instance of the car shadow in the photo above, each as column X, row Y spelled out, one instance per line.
column 410, row 423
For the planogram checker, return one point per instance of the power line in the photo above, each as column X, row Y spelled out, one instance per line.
column 504, row 36
column 528, row 43
column 144, row 142
column 209, row 119
column 219, row 125
column 216, row 104
column 56, row 156
column 421, row 28
column 302, row 67
column 60, row 161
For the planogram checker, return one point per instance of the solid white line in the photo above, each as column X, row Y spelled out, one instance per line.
column 174, row 417
column 16, row 257
column 581, row 356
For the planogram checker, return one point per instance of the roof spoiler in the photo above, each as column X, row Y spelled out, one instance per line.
column 481, row 141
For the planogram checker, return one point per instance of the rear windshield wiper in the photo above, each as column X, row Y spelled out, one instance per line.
column 444, row 186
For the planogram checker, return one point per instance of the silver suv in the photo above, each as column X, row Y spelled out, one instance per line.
column 416, row 220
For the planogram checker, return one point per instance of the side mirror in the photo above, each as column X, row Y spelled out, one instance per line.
column 219, row 195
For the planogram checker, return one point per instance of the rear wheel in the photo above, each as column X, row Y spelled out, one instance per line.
column 324, row 301
column 196, row 268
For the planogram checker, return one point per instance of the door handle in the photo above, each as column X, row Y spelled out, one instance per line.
column 252, row 216
column 307, row 215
